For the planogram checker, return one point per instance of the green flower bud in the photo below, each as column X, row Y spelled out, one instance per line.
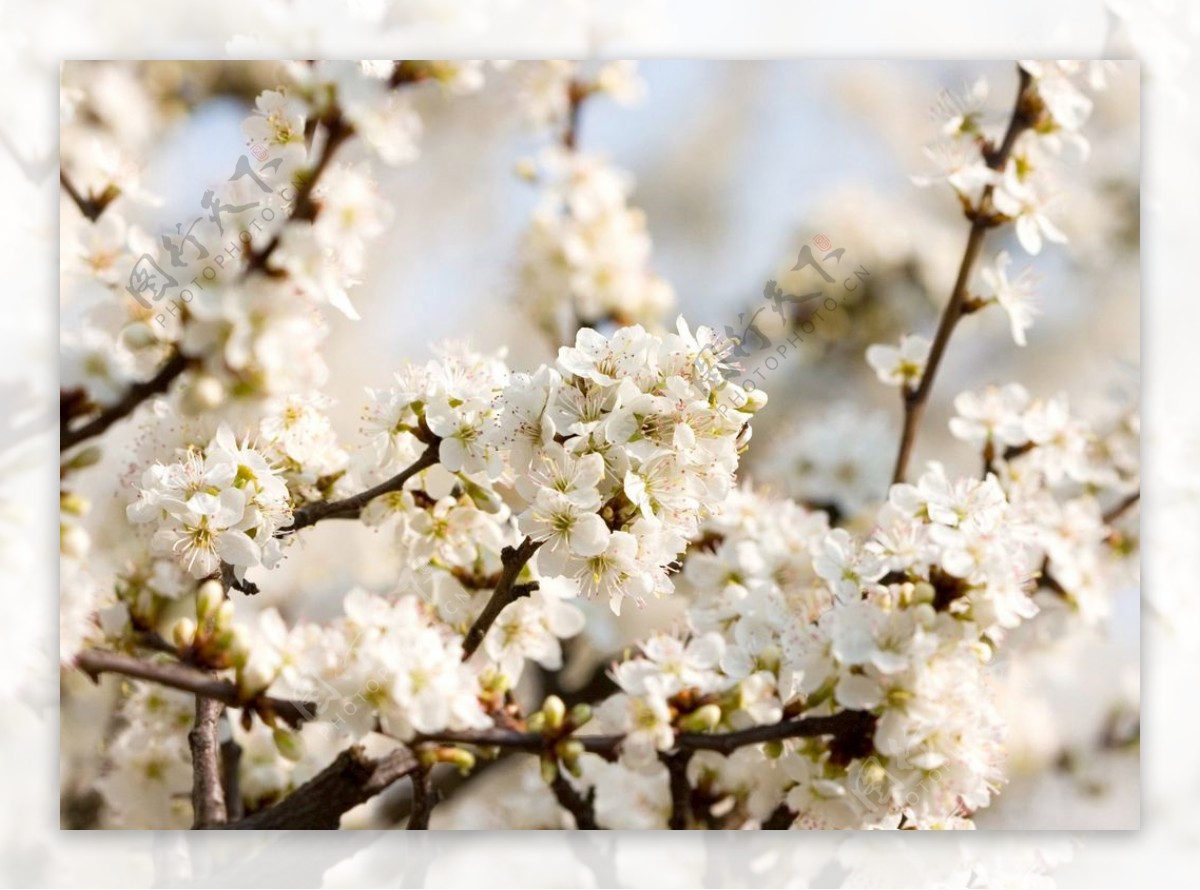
column 289, row 744
column 209, row 599
column 184, row 633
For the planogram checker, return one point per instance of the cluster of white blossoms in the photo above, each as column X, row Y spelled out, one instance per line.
column 585, row 257
column 222, row 503
column 386, row 664
column 586, row 250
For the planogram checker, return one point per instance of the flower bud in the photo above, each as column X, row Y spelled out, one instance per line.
column 464, row 760
column 289, row 744
column 254, row 677
column 205, row 394
column 549, row 770
column 236, row 642
column 703, row 719
column 579, row 715
column 73, row 504
column 224, row 616
column 85, row 458
column 73, row 541
column 184, row 633
column 138, row 336
column 554, row 711
column 773, row 749
column 925, row 615
column 923, row 592
column 209, row 598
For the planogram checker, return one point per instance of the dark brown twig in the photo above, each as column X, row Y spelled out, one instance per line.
column 676, row 763
column 208, row 794
column 1122, row 507
column 506, row 592
column 92, row 205
column 579, row 806
column 982, row 219
column 172, row 368
column 95, row 662
column 352, row 507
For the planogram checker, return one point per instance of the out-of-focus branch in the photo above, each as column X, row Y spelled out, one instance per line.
column 1122, row 507
column 507, row 591
column 351, row 507
column 172, row 368
column 92, row 205
column 982, row 219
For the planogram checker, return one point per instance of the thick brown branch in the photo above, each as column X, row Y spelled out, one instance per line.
column 352, row 779
column 506, row 592
column 352, row 507
column 915, row 400
column 425, row 798
column 95, row 662
column 231, row 783
column 681, row 789
column 208, row 793
column 174, row 366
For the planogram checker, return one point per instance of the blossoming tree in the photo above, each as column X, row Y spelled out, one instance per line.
column 828, row 668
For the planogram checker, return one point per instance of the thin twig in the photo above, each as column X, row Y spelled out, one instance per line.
column 1121, row 508
column 352, row 779
column 507, row 591
column 92, row 205
column 304, row 208
column 95, row 662
column 352, row 507
column 174, row 366
column 982, row 219
column 208, row 794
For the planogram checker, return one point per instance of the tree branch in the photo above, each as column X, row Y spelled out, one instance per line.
column 676, row 763
column 915, row 400
column 578, row 805
column 352, row 507
column 95, row 662
column 231, row 784
column 425, row 798
column 507, row 591
column 174, row 366
column 352, row 779
column 92, row 205
column 1122, row 507
column 304, row 208
column 208, row 794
